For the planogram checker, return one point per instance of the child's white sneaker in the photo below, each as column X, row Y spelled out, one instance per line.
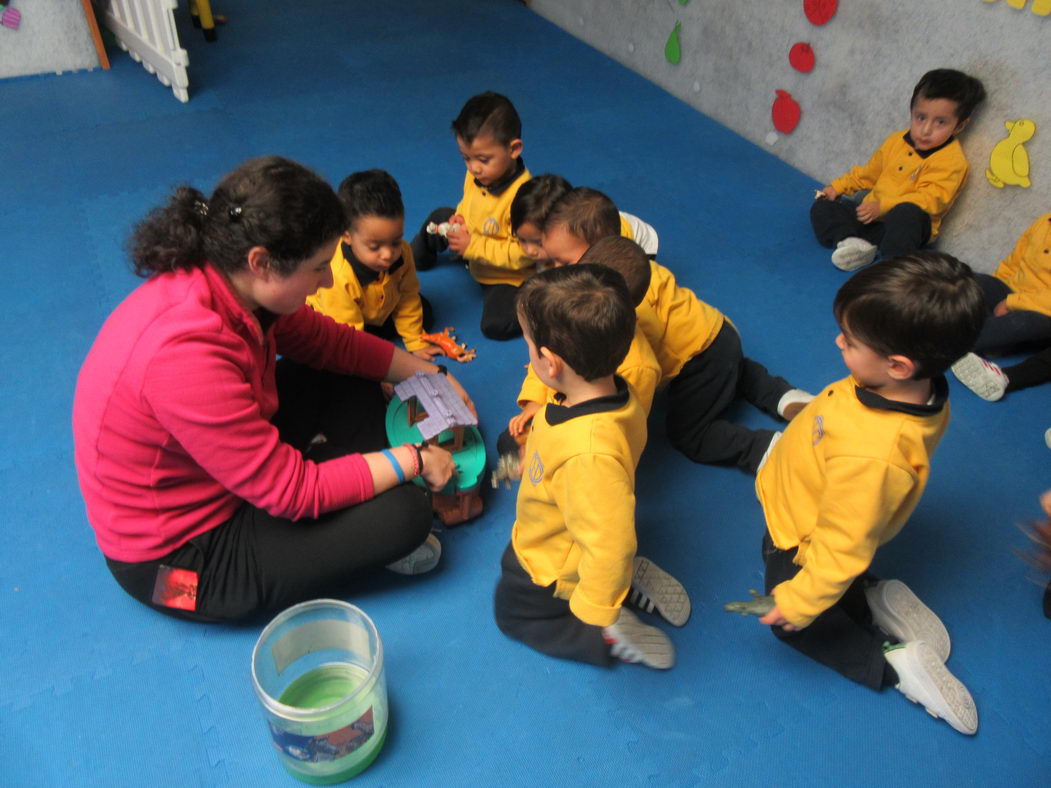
column 982, row 377
column 632, row 641
column 423, row 559
column 924, row 679
column 654, row 589
column 899, row 612
column 853, row 253
column 1047, row 438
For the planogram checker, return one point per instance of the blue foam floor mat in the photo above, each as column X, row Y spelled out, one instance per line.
column 98, row 690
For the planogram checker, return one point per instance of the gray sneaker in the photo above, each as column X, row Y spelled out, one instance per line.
column 423, row 559
column 924, row 679
column 654, row 589
column 899, row 612
column 632, row 641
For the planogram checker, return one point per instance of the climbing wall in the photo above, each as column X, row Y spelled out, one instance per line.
column 820, row 83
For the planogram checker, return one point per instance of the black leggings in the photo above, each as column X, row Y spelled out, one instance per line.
column 255, row 562
column 843, row 637
column 904, row 228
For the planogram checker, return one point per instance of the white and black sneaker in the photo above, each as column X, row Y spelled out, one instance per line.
column 654, row 589
column 632, row 641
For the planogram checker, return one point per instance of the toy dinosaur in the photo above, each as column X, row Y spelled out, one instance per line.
column 757, row 606
column 448, row 344
column 508, row 470
column 441, row 229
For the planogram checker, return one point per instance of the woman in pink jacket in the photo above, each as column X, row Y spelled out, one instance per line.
column 219, row 480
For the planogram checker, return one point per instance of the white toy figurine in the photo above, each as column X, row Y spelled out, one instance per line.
column 441, row 229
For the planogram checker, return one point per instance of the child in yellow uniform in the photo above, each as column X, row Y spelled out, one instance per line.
column 533, row 203
column 1018, row 318
column 489, row 136
column 698, row 349
column 640, row 368
column 914, row 178
column 848, row 473
column 571, row 563
column 374, row 283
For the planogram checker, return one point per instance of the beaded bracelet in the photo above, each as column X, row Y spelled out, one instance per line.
column 418, row 449
column 394, row 464
column 417, row 460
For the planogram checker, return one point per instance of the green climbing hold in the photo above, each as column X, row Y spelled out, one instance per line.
column 683, row 2
column 672, row 50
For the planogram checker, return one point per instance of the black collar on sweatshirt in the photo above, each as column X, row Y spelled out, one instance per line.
column 499, row 187
column 366, row 276
column 559, row 414
column 923, row 154
column 941, row 395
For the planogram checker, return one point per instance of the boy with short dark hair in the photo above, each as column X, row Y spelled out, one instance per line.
column 914, row 178
column 374, row 283
column 489, row 135
column 849, row 471
column 639, row 367
column 699, row 350
column 571, row 562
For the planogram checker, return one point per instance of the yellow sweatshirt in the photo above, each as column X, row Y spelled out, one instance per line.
column 639, row 368
column 899, row 173
column 575, row 516
column 1027, row 270
column 360, row 296
column 493, row 255
column 842, row 480
column 676, row 322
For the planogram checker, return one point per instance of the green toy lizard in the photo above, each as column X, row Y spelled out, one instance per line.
column 757, row 606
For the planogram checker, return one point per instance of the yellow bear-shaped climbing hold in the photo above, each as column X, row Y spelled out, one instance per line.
column 1009, row 161
column 1039, row 7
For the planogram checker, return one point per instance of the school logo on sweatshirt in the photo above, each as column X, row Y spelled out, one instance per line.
column 536, row 469
column 491, row 227
column 817, row 432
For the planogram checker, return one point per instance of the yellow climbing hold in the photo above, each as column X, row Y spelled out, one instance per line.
column 1009, row 160
column 673, row 50
column 1039, row 7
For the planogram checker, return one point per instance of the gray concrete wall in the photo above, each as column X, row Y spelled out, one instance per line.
column 53, row 37
column 868, row 57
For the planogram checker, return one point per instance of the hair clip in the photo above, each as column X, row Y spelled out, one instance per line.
column 201, row 207
column 235, row 213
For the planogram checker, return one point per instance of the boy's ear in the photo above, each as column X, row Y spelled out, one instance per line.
column 900, row 367
column 345, row 238
column 554, row 362
column 961, row 125
column 515, row 148
column 259, row 262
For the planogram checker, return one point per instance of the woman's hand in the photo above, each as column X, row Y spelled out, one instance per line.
column 438, row 467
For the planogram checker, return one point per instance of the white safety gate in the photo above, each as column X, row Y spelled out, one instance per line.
column 145, row 29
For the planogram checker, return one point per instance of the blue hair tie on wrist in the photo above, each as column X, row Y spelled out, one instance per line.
column 394, row 464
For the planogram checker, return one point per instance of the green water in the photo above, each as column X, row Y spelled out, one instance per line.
column 324, row 686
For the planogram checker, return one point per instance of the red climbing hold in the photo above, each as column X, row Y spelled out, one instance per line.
column 801, row 56
column 820, row 11
column 785, row 112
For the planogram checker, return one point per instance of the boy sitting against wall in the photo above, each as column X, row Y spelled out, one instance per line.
column 914, row 178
